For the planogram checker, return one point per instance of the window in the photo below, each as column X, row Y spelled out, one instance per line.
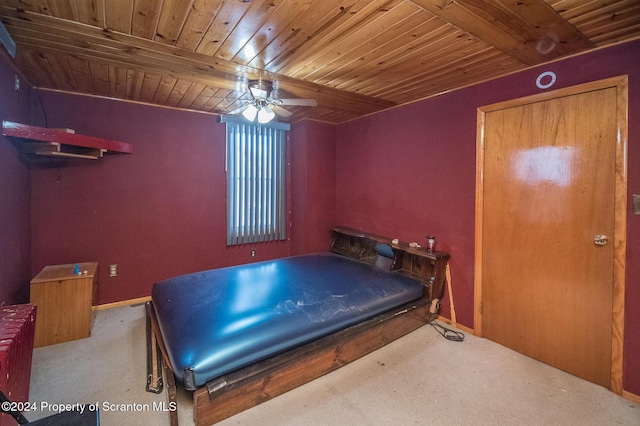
column 255, row 165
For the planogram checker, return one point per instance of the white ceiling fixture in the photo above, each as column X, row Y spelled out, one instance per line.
column 260, row 108
column 266, row 107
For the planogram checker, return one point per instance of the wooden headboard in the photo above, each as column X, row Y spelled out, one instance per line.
column 427, row 267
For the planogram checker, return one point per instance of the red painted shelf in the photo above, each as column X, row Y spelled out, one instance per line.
column 61, row 142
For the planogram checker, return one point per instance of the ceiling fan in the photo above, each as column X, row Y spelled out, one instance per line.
column 266, row 107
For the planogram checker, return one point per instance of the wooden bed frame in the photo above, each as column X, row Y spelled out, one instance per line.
column 233, row 393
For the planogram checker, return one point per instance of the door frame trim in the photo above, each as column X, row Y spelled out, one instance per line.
column 620, row 208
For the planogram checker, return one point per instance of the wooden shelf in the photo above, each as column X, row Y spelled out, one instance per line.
column 61, row 143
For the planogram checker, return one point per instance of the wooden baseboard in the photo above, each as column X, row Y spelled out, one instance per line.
column 138, row 301
column 631, row 397
column 460, row 326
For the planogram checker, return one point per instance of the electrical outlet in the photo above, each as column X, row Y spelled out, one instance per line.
column 113, row 270
column 253, row 253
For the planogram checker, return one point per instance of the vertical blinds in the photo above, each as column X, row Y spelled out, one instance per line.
column 256, row 200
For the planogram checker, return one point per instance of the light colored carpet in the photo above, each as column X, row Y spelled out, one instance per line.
column 421, row 379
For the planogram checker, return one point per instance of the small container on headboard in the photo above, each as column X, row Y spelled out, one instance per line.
column 431, row 243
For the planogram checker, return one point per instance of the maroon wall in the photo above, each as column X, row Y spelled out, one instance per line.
column 410, row 171
column 15, row 194
column 313, row 195
column 157, row 213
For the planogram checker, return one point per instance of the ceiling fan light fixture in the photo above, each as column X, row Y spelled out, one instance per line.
column 250, row 112
column 265, row 114
column 264, row 106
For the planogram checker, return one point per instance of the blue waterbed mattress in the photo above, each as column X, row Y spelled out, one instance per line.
column 217, row 321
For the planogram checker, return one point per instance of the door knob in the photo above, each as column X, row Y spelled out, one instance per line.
column 600, row 240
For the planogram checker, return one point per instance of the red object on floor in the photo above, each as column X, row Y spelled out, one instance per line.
column 17, row 328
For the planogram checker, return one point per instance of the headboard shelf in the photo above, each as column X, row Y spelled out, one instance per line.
column 415, row 262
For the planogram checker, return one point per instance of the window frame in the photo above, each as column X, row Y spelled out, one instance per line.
column 256, row 175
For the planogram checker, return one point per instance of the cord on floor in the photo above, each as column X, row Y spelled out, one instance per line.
column 447, row 333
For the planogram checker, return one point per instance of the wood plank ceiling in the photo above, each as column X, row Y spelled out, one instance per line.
column 354, row 57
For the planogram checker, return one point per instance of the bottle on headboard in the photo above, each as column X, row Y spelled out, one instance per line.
column 431, row 243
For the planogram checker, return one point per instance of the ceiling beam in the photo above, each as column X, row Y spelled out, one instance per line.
column 48, row 34
column 530, row 31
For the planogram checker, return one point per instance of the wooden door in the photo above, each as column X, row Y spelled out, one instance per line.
column 551, row 189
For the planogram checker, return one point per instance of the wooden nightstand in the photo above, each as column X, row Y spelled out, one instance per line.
column 64, row 301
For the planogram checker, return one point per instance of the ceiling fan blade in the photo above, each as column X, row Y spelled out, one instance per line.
column 239, row 109
column 298, row 102
column 258, row 93
column 281, row 111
